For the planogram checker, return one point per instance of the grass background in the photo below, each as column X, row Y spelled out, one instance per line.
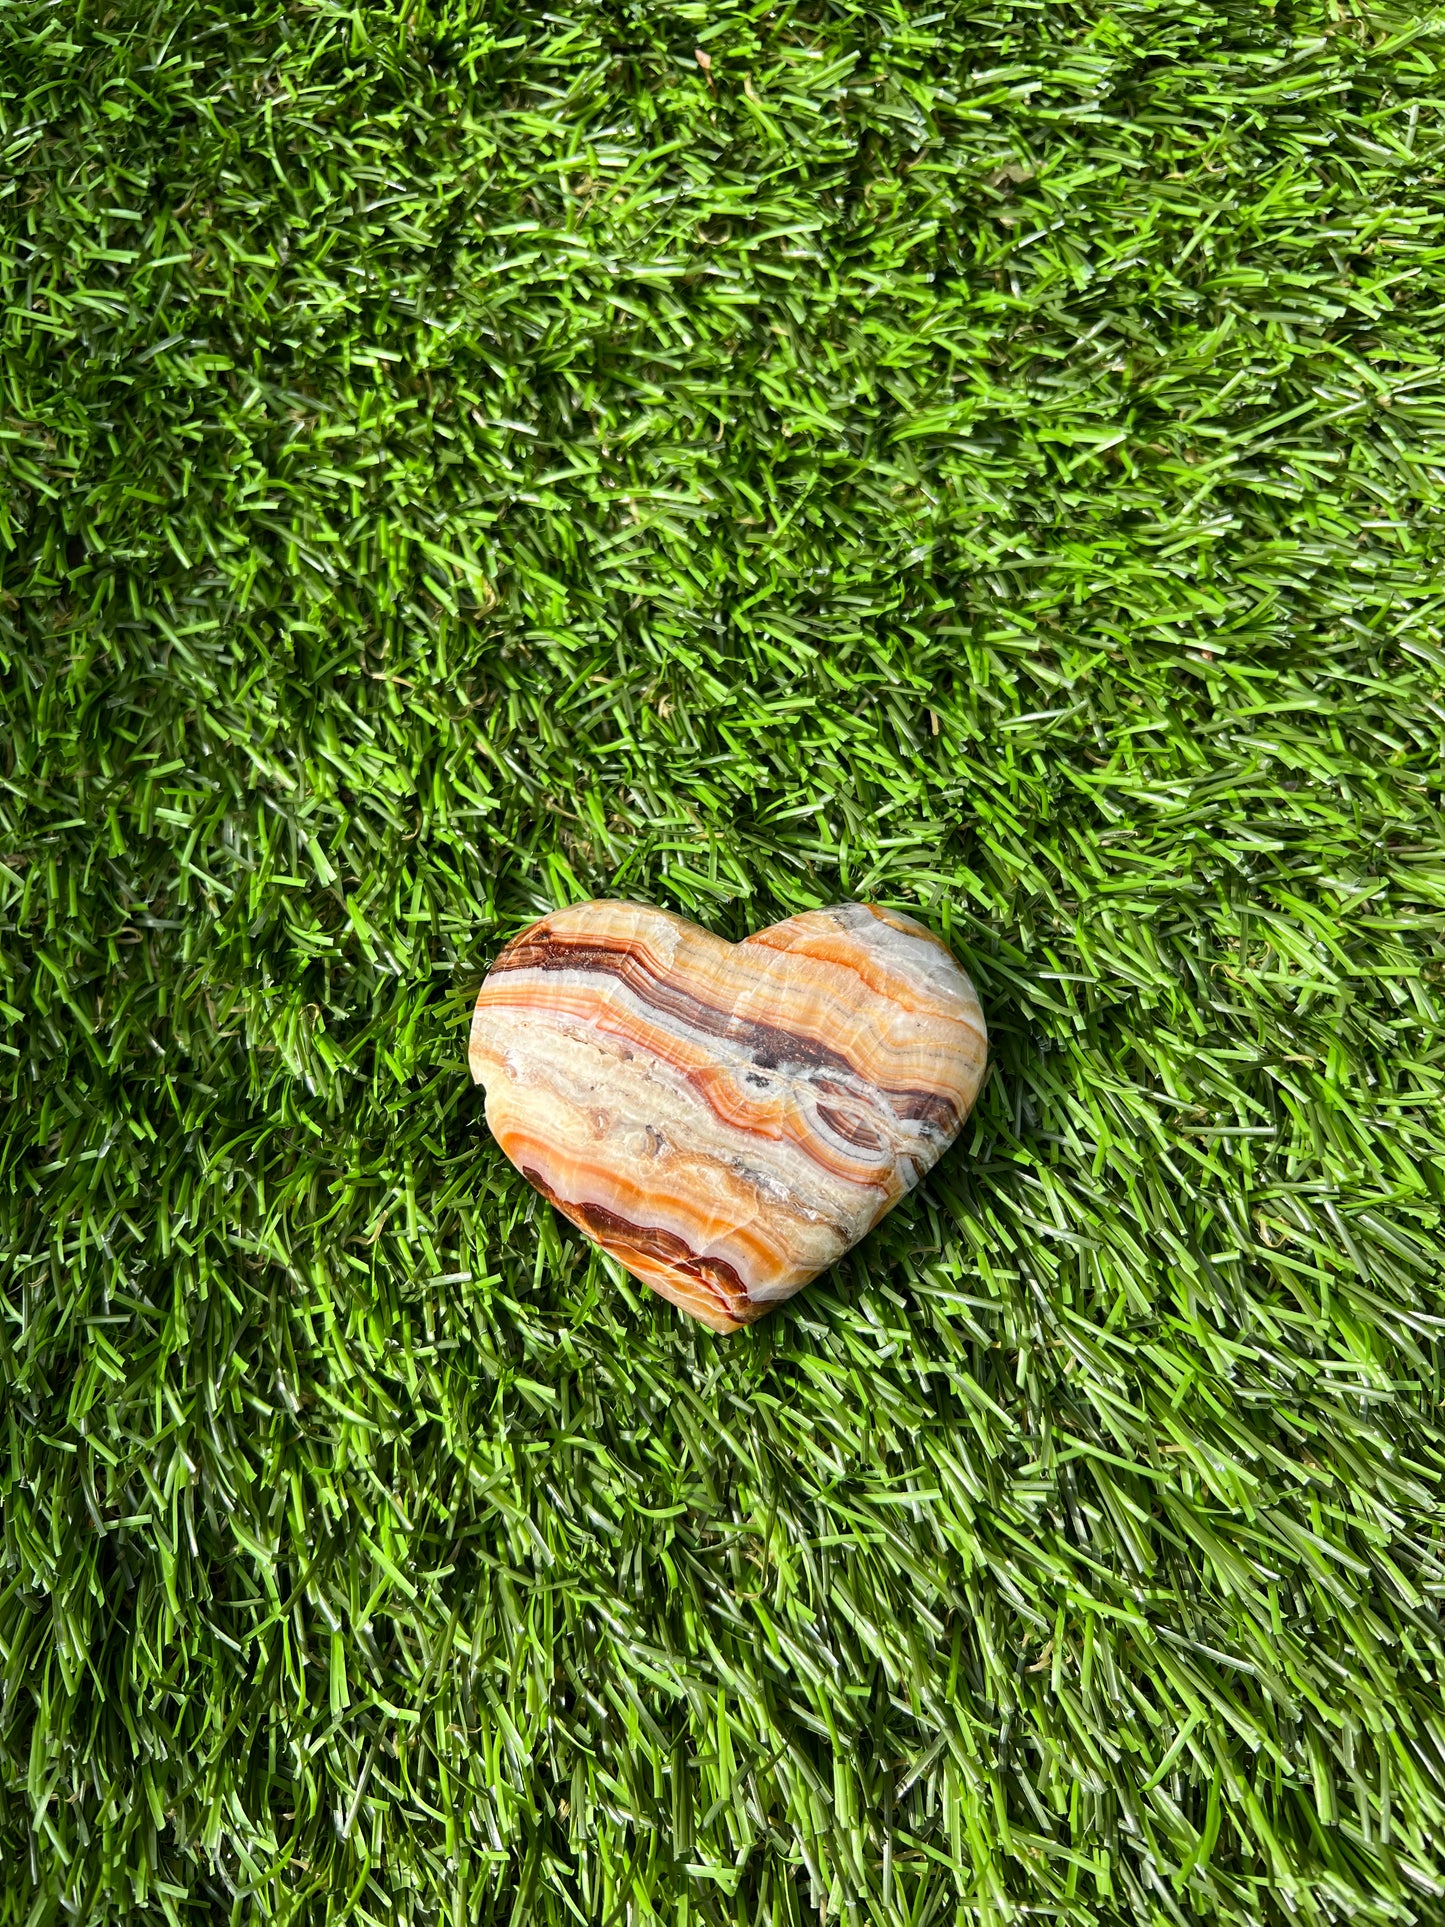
column 460, row 458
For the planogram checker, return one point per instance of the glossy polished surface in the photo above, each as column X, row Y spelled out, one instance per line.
column 726, row 1119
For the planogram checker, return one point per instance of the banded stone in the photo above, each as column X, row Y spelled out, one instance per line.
column 726, row 1119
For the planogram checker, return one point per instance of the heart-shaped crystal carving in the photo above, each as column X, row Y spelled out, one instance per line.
column 726, row 1119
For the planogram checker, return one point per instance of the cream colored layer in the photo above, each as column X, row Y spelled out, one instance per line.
column 639, row 1142
column 556, row 1024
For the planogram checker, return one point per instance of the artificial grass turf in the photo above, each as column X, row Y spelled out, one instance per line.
column 463, row 458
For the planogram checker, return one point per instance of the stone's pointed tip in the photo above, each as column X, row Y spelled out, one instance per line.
column 726, row 1120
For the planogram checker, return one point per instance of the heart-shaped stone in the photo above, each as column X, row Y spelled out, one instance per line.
column 726, row 1119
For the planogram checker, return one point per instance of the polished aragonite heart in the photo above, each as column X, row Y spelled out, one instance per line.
column 726, row 1119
